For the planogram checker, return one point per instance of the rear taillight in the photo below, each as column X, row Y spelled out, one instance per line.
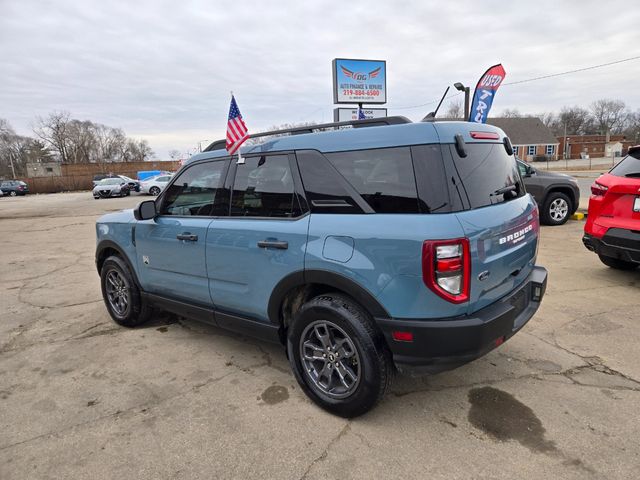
column 598, row 189
column 446, row 268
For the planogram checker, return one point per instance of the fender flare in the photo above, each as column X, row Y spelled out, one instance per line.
column 328, row 278
column 103, row 245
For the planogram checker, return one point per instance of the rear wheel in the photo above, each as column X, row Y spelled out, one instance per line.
column 338, row 357
column 556, row 209
column 13, row 193
column 617, row 263
column 155, row 191
column 121, row 294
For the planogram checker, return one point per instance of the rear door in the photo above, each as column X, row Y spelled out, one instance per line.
column 171, row 247
column 502, row 227
column 262, row 241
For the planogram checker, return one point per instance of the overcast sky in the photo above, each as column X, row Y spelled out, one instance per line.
column 162, row 70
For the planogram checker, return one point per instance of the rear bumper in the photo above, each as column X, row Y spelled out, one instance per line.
column 616, row 243
column 444, row 344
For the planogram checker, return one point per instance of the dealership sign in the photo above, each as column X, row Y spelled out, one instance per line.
column 359, row 81
column 348, row 114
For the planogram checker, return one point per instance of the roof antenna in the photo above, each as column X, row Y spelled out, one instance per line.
column 432, row 115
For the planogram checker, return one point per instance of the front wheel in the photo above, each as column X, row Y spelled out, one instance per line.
column 121, row 294
column 155, row 191
column 556, row 209
column 338, row 357
column 13, row 193
column 617, row 263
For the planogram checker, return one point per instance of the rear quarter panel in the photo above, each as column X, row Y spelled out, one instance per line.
column 386, row 257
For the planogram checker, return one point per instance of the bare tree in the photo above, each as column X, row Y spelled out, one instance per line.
column 511, row 113
column 632, row 127
column 455, row 110
column 609, row 115
column 577, row 120
column 53, row 130
column 174, row 154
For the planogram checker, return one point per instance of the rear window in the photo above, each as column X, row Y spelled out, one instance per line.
column 629, row 166
column 384, row 178
column 489, row 175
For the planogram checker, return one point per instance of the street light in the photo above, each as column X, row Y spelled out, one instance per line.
column 466, row 91
column 200, row 144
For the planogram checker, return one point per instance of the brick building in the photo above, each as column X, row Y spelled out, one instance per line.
column 596, row 146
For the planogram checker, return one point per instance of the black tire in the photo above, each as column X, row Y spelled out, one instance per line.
column 362, row 352
column 557, row 209
column 617, row 263
column 155, row 191
column 136, row 311
column 13, row 193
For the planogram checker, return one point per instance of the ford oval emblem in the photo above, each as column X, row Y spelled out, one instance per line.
column 484, row 275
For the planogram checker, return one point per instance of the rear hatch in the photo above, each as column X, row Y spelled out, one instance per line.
column 499, row 218
column 620, row 207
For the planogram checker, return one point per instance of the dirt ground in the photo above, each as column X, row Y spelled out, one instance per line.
column 81, row 397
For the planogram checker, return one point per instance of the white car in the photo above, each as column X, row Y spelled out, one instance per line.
column 154, row 185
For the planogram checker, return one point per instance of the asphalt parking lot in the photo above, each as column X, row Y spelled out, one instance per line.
column 81, row 397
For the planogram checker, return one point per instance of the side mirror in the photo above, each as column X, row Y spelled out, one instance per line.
column 146, row 210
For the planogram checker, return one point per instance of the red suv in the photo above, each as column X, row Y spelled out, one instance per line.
column 613, row 224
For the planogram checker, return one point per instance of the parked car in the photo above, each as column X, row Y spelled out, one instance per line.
column 111, row 187
column 133, row 184
column 155, row 185
column 359, row 250
column 557, row 194
column 612, row 229
column 14, row 187
column 1, row 193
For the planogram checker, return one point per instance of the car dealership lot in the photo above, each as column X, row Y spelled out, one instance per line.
column 81, row 397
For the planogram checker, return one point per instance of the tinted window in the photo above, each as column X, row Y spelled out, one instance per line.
column 263, row 187
column 326, row 189
column 484, row 171
column 431, row 181
column 629, row 166
column 198, row 191
column 383, row 177
column 163, row 179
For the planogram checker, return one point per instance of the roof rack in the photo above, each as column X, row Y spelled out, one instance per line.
column 369, row 122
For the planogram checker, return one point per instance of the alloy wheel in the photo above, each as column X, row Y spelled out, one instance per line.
column 558, row 209
column 117, row 293
column 330, row 359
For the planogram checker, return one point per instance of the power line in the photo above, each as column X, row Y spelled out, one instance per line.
column 573, row 71
column 533, row 79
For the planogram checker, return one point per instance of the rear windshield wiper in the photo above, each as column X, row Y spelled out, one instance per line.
column 503, row 190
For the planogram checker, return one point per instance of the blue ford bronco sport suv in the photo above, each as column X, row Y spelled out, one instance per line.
column 378, row 244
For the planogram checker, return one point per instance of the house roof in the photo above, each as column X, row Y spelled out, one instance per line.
column 524, row 130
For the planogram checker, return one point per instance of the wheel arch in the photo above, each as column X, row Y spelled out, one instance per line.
column 105, row 249
column 568, row 191
column 298, row 287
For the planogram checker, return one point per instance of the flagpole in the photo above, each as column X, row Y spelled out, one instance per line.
column 240, row 160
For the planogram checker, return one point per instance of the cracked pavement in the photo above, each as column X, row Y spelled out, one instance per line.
column 81, row 397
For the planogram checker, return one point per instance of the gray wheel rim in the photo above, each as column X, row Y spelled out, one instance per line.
column 330, row 359
column 117, row 292
column 13, row 194
column 154, row 191
column 558, row 209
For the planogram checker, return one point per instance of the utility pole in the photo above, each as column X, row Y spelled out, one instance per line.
column 13, row 170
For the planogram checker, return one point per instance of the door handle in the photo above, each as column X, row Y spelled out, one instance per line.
column 187, row 237
column 282, row 245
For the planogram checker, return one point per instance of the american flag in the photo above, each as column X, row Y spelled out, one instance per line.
column 237, row 131
column 361, row 115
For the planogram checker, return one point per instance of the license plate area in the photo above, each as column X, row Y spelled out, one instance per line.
column 636, row 204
